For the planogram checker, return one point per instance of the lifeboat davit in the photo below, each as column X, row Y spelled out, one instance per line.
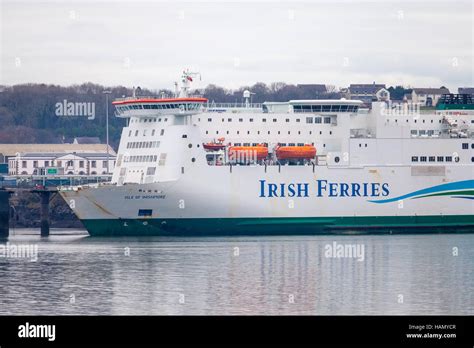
column 214, row 146
column 247, row 153
column 296, row 152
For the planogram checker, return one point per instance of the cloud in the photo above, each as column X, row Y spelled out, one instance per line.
column 238, row 43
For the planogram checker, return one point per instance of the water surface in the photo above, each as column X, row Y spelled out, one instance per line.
column 77, row 274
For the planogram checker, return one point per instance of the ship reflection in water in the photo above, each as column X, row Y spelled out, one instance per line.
column 413, row 274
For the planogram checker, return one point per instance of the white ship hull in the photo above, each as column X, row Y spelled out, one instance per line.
column 217, row 201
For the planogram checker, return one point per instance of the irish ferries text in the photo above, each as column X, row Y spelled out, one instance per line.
column 324, row 189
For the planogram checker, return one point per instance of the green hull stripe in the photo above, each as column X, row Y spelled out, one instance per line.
column 286, row 226
column 449, row 193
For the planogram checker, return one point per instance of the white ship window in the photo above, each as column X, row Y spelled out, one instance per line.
column 291, row 144
column 136, row 133
column 222, row 120
column 396, row 120
column 238, row 132
column 299, row 132
column 472, row 159
column 365, row 145
column 288, row 120
column 423, row 159
column 310, row 132
column 166, row 119
column 153, row 132
column 440, row 159
column 431, row 121
column 360, row 145
column 207, row 132
column 130, row 133
column 251, row 119
column 144, row 132
column 414, row 132
column 297, row 120
column 416, row 121
column 414, row 158
column 432, row 158
column 162, row 160
column 209, row 120
column 472, row 146
column 330, row 132
column 227, row 132
column 248, row 132
column 162, row 132
column 258, row 132
column 229, row 120
column 289, row 132
column 465, row 146
column 264, row 120
column 274, row 120
column 423, row 121
column 449, row 158
column 320, row 132
column 268, row 132
column 159, row 120
column 430, row 132
column 318, row 120
column 217, row 132
column 150, row 171
column 327, row 120
column 278, row 132
column 241, row 120
column 309, row 120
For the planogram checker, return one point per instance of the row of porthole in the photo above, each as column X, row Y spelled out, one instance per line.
column 258, row 132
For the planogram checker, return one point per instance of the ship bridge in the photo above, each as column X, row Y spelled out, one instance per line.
column 154, row 107
column 313, row 106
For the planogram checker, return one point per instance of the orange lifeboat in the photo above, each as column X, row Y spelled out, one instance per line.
column 296, row 152
column 214, row 146
column 247, row 153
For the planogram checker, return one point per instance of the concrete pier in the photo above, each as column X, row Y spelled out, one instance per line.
column 4, row 212
column 44, row 213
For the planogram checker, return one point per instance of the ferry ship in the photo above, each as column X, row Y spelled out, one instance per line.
column 189, row 167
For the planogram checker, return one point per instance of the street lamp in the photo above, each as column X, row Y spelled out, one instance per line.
column 107, row 124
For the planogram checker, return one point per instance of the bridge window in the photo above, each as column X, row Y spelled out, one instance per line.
column 318, row 120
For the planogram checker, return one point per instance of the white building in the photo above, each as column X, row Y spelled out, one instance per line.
column 68, row 164
column 427, row 96
column 68, row 159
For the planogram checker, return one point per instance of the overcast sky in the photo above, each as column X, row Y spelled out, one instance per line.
column 130, row 43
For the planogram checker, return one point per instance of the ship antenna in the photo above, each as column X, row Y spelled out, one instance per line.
column 186, row 80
